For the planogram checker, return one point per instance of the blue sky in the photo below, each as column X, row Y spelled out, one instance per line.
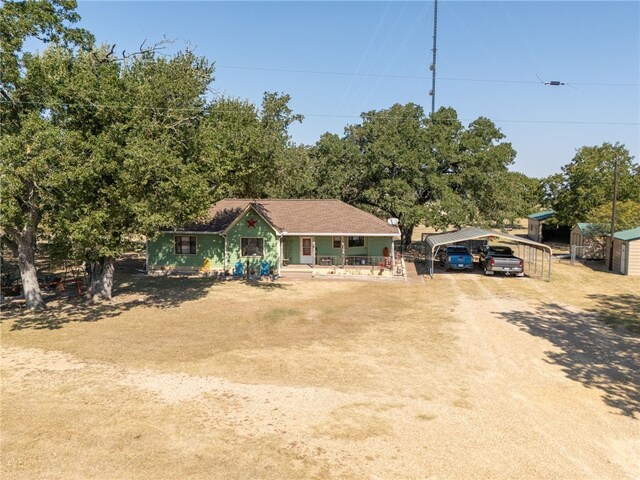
column 490, row 55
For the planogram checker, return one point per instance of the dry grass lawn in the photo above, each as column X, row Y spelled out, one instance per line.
column 462, row 376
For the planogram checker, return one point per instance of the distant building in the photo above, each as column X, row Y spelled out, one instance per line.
column 626, row 252
column 535, row 221
column 588, row 241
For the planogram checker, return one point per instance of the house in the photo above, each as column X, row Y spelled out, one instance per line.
column 588, row 241
column 535, row 222
column 626, row 251
column 282, row 232
column 540, row 230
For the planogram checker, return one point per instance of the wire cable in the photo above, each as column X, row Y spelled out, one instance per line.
column 323, row 115
column 415, row 77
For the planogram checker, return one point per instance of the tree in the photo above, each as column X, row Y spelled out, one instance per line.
column 30, row 145
column 399, row 163
column 250, row 150
column 627, row 215
column 551, row 187
column 588, row 182
column 133, row 155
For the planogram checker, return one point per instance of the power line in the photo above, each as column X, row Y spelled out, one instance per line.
column 322, row 115
column 414, row 77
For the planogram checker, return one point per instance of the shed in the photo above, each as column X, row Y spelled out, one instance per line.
column 626, row 251
column 535, row 222
column 535, row 255
column 588, row 241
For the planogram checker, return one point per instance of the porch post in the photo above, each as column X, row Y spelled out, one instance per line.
column 313, row 251
column 393, row 256
column 224, row 260
column 342, row 250
column 279, row 262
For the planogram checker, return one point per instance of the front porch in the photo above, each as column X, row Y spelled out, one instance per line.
column 338, row 251
column 370, row 270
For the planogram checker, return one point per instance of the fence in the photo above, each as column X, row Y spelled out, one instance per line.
column 587, row 252
column 537, row 262
column 356, row 261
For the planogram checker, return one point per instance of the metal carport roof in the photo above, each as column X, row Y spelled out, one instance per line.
column 472, row 233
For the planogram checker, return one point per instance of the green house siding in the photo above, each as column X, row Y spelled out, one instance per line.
column 259, row 229
column 213, row 247
column 324, row 247
column 373, row 246
column 161, row 252
column 376, row 245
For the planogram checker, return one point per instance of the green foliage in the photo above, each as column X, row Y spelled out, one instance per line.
column 627, row 215
column 46, row 20
column 551, row 187
column 249, row 151
column 587, row 182
column 132, row 163
column 400, row 163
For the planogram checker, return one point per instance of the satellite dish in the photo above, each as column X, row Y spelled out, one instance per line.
column 393, row 221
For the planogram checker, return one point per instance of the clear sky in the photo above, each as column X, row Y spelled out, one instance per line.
column 492, row 57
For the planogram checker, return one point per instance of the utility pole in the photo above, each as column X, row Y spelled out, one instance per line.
column 613, row 211
column 432, row 67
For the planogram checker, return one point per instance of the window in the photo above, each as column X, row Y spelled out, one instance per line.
column 356, row 241
column 252, row 247
column 185, row 245
column 337, row 242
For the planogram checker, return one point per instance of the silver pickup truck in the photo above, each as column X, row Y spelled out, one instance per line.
column 500, row 259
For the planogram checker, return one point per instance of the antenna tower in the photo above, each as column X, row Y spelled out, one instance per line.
column 432, row 67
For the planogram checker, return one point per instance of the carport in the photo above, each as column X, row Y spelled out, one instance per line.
column 535, row 255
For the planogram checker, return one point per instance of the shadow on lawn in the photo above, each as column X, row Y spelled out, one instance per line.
column 592, row 353
column 131, row 289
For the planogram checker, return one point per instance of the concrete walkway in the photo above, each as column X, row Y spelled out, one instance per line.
column 412, row 274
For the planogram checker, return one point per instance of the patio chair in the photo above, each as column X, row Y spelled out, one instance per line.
column 265, row 269
column 238, row 269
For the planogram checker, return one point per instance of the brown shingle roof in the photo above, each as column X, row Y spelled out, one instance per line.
column 298, row 216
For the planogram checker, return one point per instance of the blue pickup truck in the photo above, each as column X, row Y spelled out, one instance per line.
column 456, row 257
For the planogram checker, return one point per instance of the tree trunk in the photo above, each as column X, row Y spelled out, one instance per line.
column 27, row 262
column 405, row 236
column 100, row 280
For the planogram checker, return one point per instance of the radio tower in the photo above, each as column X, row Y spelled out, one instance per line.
column 432, row 67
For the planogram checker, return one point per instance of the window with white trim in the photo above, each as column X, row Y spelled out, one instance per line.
column 252, row 247
column 185, row 245
column 337, row 242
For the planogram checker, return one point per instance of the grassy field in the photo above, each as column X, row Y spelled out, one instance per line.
column 461, row 376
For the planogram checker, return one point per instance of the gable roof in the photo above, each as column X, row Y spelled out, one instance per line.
column 297, row 216
column 589, row 229
column 628, row 235
column 472, row 233
column 542, row 215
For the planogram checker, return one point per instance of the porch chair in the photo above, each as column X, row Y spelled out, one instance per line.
column 265, row 269
column 238, row 269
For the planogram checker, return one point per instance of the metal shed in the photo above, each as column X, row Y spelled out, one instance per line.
column 534, row 254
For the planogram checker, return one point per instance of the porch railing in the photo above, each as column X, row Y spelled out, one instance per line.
column 353, row 260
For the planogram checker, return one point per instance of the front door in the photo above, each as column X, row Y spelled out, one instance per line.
column 306, row 250
column 623, row 259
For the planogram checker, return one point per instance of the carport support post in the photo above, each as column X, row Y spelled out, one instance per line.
column 431, row 270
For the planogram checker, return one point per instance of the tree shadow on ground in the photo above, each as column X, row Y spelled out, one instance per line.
column 592, row 353
column 618, row 310
column 132, row 288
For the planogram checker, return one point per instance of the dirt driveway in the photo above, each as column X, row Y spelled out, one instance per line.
column 460, row 377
